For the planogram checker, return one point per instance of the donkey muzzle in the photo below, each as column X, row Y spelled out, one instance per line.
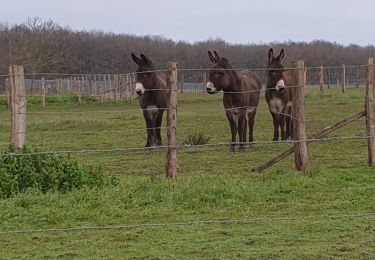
column 280, row 84
column 210, row 88
column 139, row 89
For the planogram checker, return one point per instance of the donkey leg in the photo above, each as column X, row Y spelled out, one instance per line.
column 282, row 127
column 288, row 122
column 251, row 117
column 288, row 125
column 232, row 118
column 275, row 127
column 158, row 121
column 242, row 127
column 149, row 128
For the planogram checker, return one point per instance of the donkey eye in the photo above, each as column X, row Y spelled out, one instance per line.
column 218, row 74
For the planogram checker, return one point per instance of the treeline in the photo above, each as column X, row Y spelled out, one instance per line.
column 45, row 47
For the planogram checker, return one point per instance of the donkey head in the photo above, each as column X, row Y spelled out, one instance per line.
column 275, row 71
column 144, row 78
column 221, row 75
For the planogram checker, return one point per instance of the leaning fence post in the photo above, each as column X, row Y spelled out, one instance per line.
column 17, row 105
column 171, row 157
column 370, row 117
column 298, row 113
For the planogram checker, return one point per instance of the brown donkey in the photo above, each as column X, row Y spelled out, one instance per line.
column 152, row 91
column 241, row 96
column 279, row 96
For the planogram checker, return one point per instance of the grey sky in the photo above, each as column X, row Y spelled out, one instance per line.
column 236, row 21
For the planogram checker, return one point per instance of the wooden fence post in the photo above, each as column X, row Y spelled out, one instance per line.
column 343, row 86
column 43, row 92
column 321, row 80
column 370, row 117
column 298, row 113
column 7, row 93
column 18, row 105
column 79, row 91
column 115, row 87
column 102, row 88
column 58, row 86
column 68, row 84
column 171, row 157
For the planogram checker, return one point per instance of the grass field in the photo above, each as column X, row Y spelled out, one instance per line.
column 327, row 212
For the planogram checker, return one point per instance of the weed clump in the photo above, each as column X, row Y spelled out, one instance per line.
column 196, row 138
column 21, row 169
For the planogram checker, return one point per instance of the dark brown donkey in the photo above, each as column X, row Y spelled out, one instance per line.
column 241, row 96
column 152, row 91
column 279, row 96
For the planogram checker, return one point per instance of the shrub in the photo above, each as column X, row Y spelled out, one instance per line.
column 45, row 172
column 196, row 138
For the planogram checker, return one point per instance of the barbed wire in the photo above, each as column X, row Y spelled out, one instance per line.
column 190, row 223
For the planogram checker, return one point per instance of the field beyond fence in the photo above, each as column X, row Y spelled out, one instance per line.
column 216, row 208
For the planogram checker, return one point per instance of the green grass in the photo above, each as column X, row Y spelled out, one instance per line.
column 284, row 212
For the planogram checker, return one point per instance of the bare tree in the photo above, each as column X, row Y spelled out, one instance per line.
column 37, row 46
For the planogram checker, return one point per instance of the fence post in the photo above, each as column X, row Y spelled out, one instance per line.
column 79, row 91
column 171, row 157
column 17, row 105
column 343, row 86
column 7, row 93
column 43, row 92
column 321, row 80
column 115, row 90
column 102, row 80
column 370, row 117
column 298, row 113
column 57, row 86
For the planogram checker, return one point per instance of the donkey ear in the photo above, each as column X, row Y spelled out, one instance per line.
column 217, row 57
column 281, row 55
column 225, row 63
column 213, row 60
column 146, row 60
column 136, row 59
column 270, row 55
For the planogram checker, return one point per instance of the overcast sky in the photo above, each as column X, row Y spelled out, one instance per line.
column 235, row 21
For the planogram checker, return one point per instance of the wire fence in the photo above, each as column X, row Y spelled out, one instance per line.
column 191, row 82
column 197, row 111
column 190, row 223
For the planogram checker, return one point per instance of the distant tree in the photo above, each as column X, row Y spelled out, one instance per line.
column 43, row 46
column 37, row 46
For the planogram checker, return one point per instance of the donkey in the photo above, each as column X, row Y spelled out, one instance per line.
column 151, row 88
column 241, row 96
column 279, row 96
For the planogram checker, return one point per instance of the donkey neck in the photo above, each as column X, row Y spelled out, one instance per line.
column 234, row 85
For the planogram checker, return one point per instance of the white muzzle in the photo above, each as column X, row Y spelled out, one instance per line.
column 280, row 84
column 139, row 88
column 210, row 88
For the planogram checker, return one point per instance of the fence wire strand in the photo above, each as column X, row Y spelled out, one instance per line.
column 190, row 223
column 188, row 146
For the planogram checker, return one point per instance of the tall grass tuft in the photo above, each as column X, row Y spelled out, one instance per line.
column 196, row 138
column 45, row 172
